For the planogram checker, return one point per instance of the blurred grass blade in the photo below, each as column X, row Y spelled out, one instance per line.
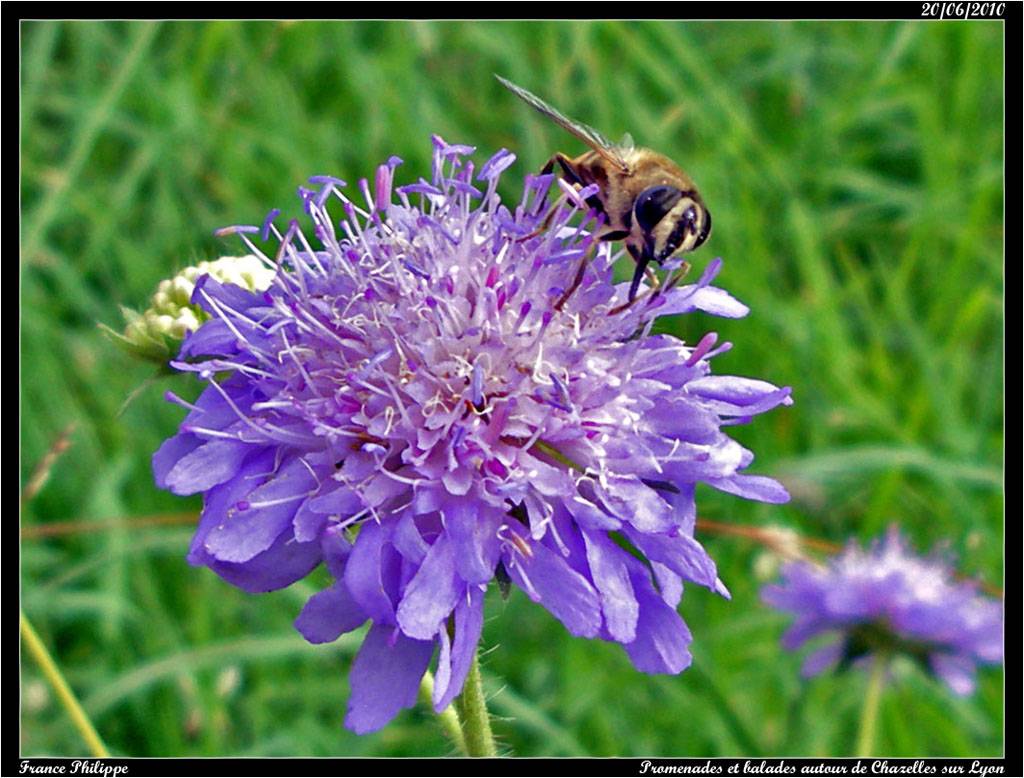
column 857, row 460
column 528, row 715
column 146, row 675
column 38, row 222
column 63, row 691
column 720, row 703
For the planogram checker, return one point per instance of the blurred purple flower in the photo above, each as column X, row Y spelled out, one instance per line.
column 886, row 599
column 441, row 394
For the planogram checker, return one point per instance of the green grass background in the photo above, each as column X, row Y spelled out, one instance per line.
column 855, row 175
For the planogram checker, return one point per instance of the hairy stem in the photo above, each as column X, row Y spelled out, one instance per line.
column 448, row 718
column 476, row 721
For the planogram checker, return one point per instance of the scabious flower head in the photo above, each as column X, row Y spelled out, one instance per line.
column 887, row 599
column 439, row 390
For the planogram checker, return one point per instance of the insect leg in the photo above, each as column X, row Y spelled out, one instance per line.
column 614, row 235
column 570, row 176
column 574, row 178
column 643, row 259
column 580, row 271
column 677, row 276
column 547, row 220
column 567, row 168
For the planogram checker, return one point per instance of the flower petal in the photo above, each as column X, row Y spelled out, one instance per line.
column 670, row 584
column 212, row 463
column 336, row 549
column 956, row 671
column 385, row 677
column 681, row 554
column 636, row 503
column 408, row 540
column 662, row 637
column 443, row 674
column 752, row 487
column 473, row 530
column 281, row 565
column 822, row 659
column 432, row 593
column 736, row 396
column 251, row 526
column 550, row 481
column 567, row 595
column 469, row 620
column 590, row 516
column 307, row 524
column 611, row 578
column 709, row 299
column 679, row 419
column 802, row 630
column 364, row 573
column 329, row 614
column 170, row 453
column 212, row 338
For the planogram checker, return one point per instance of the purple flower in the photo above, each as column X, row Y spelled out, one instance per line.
column 443, row 392
column 886, row 599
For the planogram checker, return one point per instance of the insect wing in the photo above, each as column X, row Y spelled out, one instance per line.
column 588, row 135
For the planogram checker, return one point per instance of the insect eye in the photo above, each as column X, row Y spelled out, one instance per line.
column 690, row 217
column 652, row 205
column 705, row 230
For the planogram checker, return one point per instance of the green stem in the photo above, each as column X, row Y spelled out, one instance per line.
column 448, row 717
column 869, row 714
column 476, row 721
column 558, row 456
column 60, row 686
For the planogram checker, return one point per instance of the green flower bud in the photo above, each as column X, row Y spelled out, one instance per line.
column 156, row 334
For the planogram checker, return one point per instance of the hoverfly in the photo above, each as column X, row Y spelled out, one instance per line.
column 647, row 200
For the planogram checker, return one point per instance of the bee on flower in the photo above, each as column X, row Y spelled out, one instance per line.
column 440, row 390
